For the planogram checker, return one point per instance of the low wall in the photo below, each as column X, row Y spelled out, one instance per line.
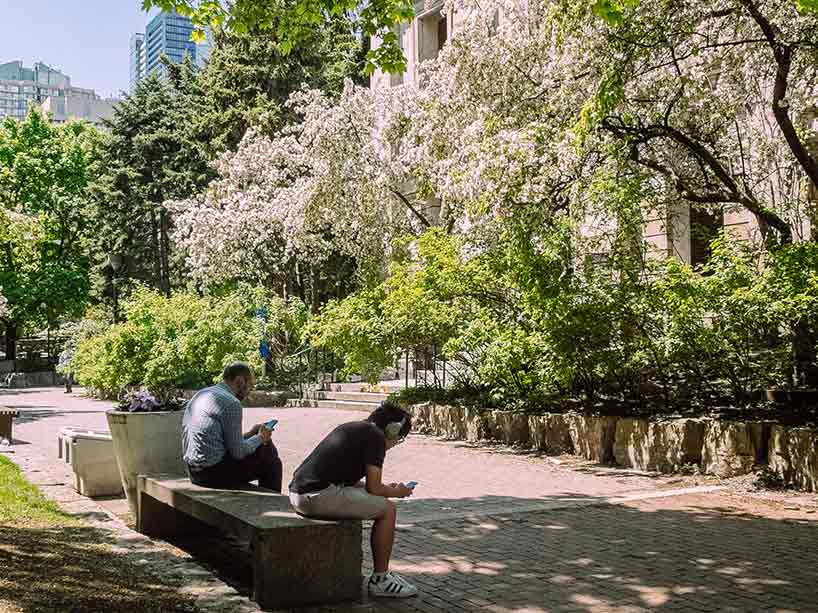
column 721, row 448
column 21, row 380
column 256, row 398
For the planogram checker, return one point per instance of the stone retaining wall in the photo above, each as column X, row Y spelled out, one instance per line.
column 256, row 398
column 793, row 456
column 722, row 448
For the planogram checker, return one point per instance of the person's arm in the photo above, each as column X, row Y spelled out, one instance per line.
column 376, row 487
column 237, row 445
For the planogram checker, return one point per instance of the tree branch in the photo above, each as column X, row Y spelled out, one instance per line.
column 783, row 54
column 409, row 206
column 642, row 135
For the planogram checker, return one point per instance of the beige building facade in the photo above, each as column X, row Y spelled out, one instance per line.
column 79, row 107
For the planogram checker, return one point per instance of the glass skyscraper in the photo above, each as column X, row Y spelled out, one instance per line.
column 168, row 34
column 137, row 47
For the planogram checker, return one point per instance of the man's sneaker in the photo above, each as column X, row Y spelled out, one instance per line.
column 391, row 585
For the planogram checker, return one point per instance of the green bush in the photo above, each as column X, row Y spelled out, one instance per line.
column 521, row 322
column 184, row 340
column 354, row 329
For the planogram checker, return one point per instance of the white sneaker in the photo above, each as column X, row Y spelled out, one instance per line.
column 391, row 585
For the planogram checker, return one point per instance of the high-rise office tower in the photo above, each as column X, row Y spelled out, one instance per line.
column 168, row 34
column 137, row 63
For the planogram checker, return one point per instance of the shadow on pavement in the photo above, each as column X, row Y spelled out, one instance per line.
column 65, row 568
column 29, row 414
column 587, row 556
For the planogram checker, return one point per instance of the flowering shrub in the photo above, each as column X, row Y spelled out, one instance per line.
column 143, row 401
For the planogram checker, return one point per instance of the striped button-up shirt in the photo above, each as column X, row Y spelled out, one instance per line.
column 211, row 428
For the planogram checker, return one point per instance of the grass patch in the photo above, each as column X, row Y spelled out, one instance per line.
column 21, row 501
column 52, row 561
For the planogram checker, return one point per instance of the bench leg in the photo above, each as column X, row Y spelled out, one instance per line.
column 156, row 519
column 307, row 565
column 6, row 422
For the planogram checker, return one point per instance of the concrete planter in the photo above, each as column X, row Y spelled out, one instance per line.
column 794, row 456
column 663, row 446
column 90, row 453
column 721, row 448
column 146, row 444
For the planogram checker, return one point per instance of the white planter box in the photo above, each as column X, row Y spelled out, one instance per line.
column 91, row 456
column 146, row 444
column 66, row 437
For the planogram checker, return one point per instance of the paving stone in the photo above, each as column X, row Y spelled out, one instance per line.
column 492, row 530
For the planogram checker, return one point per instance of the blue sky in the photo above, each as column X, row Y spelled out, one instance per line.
column 85, row 39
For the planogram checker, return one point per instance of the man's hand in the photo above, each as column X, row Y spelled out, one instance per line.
column 403, row 491
column 265, row 434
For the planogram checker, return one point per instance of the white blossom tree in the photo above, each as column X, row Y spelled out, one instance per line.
column 544, row 113
column 322, row 187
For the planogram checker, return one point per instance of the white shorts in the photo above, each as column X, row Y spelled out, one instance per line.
column 339, row 502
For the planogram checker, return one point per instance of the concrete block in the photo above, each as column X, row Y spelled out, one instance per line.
column 733, row 448
column 91, row 456
column 550, row 433
column 663, row 446
column 593, row 436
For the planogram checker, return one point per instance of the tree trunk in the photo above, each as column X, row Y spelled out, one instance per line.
column 164, row 251
column 157, row 256
column 315, row 297
column 11, row 340
column 804, row 355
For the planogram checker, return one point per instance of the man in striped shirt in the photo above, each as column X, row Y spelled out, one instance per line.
column 214, row 448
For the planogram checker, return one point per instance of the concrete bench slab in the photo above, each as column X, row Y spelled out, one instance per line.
column 296, row 561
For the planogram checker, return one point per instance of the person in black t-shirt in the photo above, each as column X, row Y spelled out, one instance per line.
column 328, row 484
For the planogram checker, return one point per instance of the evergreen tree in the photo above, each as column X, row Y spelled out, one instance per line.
column 248, row 79
column 148, row 159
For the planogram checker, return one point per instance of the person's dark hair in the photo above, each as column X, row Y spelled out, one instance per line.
column 237, row 369
column 390, row 412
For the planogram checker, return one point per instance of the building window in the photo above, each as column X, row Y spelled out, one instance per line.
column 704, row 228
column 432, row 36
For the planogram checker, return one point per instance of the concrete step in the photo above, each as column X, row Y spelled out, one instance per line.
column 353, row 396
column 348, row 405
column 387, row 385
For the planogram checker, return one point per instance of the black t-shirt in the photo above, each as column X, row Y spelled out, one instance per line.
column 341, row 458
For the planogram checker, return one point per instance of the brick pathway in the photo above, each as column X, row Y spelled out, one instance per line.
column 492, row 530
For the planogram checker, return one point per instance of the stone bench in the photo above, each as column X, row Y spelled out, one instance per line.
column 6, row 422
column 296, row 561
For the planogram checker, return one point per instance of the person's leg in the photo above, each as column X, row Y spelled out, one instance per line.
column 263, row 465
column 270, row 468
column 339, row 502
column 382, row 537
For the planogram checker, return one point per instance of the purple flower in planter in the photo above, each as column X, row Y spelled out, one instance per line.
column 143, row 401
